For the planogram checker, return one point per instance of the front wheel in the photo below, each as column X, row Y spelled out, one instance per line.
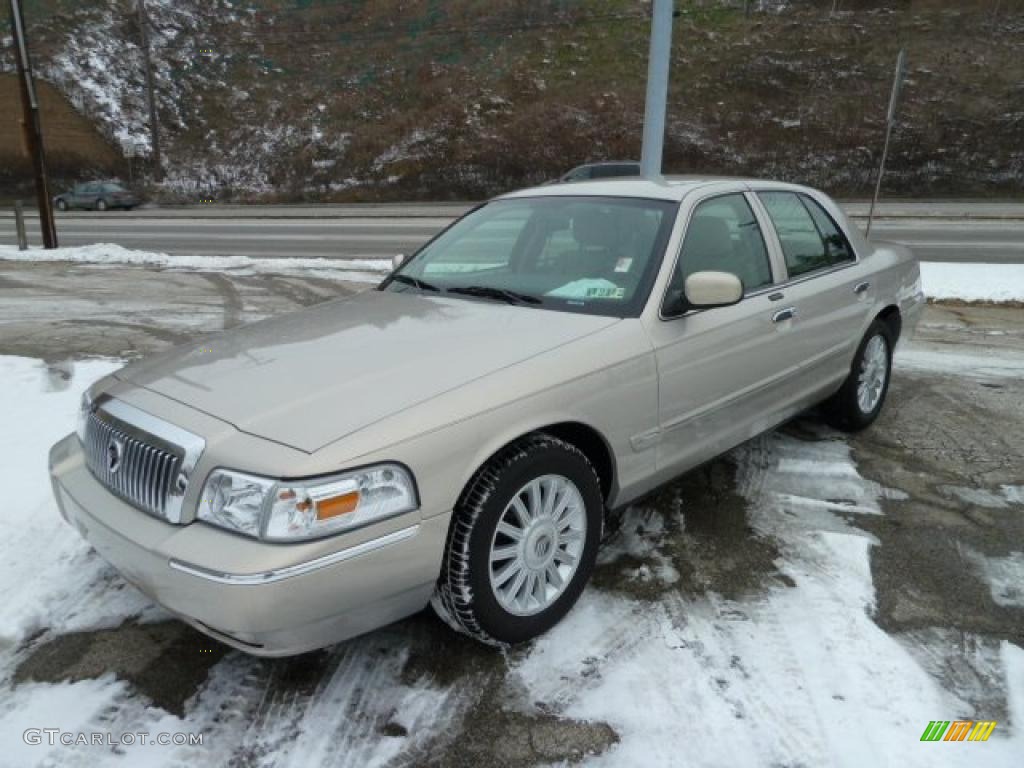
column 522, row 543
column 62, row 205
column 859, row 401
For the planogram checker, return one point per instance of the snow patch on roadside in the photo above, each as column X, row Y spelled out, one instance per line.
column 796, row 675
column 964, row 282
column 986, row 362
column 366, row 270
column 973, row 282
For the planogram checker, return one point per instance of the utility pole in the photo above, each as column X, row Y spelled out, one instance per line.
column 658, row 62
column 154, row 122
column 897, row 86
column 32, row 128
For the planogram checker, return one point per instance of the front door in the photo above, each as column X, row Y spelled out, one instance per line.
column 717, row 368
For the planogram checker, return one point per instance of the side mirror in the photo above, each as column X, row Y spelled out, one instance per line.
column 713, row 289
column 398, row 260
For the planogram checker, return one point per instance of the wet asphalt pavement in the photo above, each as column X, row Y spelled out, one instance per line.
column 950, row 439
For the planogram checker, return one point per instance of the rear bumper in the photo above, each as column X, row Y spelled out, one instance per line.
column 266, row 599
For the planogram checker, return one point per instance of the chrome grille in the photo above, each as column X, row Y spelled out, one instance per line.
column 138, row 468
column 145, row 460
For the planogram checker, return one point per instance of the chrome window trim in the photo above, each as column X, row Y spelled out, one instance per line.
column 745, row 192
column 804, row 278
column 146, row 424
column 290, row 571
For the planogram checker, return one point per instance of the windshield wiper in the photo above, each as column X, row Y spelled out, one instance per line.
column 415, row 282
column 501, row 294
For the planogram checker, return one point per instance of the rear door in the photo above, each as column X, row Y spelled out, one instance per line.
column 824, row 301
column 717, row 368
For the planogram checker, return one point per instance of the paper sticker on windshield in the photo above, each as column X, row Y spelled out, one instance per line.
column 589, row 288
column 623, row 264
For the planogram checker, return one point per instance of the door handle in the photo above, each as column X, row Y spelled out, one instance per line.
column 860, row 288
column 784, row 314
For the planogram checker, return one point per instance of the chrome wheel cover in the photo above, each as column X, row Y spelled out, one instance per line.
column 537, row 545
column 874, row 368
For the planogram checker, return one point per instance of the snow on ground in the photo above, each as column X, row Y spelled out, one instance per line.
column 1005, row 576
column 75, row 588
column 796, row 673
column 973, row 282
column 798, row 676
column 366, row 270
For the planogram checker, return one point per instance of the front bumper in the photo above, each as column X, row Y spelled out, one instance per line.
column 266, row 599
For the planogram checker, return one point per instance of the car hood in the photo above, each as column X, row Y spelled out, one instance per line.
column 309, row 378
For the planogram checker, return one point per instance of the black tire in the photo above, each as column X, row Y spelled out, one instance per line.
column 62, row 204
column 843, row 410
column 464, row 597
column 101, row 205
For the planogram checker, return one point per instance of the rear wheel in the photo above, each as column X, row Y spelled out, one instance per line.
column 522, row 542
column 101, row 205
column 859, row 401
column 62, row 204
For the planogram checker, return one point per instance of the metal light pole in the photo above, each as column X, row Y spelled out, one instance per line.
column 32, row 127
column 657, row 90
column 897, row 86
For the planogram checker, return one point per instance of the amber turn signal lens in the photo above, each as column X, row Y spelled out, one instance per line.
column 337, row 505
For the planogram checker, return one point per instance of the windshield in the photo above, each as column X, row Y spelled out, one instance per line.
column 595, row 255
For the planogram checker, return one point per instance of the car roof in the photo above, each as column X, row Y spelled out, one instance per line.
column 673, row 188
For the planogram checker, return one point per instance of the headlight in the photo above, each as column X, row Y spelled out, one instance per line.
column 307, row 509
column 234, row 501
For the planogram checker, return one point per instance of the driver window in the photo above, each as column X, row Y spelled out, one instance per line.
column 723, row 236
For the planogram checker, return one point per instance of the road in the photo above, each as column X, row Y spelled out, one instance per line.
column 966, row 232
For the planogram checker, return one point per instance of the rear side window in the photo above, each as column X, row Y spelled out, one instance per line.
column 837, row 247
column 810, row 239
